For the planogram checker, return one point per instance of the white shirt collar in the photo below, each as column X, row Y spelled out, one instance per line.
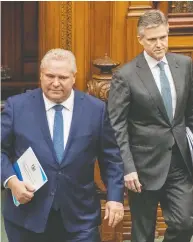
column 153, row 62
column 68, row 103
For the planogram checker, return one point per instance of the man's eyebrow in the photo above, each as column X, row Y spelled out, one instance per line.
column 49, row 74
column 65, row 76
column 151, row 38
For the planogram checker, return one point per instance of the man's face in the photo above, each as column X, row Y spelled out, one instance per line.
column 57, row 80
column 155, row 41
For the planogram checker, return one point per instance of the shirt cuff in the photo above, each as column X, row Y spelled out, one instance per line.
column 5, row 182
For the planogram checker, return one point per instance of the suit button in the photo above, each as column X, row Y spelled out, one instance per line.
column 59, row 173
column 170, row 148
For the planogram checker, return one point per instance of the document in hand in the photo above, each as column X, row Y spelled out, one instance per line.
column 28, row 168
column 189, row 136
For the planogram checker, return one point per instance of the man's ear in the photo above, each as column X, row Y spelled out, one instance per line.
column 140, row 39
column 40, row 75
column 74, row 77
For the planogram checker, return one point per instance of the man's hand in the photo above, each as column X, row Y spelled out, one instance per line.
column 132, row 182
column 115, row 212
column 23, row 191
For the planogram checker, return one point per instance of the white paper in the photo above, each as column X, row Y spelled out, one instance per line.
column 28, row 168
column 189, row 136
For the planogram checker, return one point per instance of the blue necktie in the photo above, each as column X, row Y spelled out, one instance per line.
column 165, row 91
column 58, row 133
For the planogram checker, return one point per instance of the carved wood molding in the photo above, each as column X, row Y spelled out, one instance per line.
column 181, row 24
column 180, row 7
column 99, row 86
column 188, row 52
column 180, row 17
column 66, row 24
column 135, row 9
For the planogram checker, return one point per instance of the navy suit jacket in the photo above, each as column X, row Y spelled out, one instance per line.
column 24, row 124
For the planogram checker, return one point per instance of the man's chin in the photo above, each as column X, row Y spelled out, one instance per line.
column 159, row 54
column 158, row 57
column 56, row 98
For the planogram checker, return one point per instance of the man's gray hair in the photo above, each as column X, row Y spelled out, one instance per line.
column 151, row 19
column 60, row 55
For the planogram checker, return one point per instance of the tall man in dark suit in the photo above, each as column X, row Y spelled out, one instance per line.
column 150, row 105
column 67, row 130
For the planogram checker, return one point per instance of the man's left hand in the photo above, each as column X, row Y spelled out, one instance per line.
column 114, row 211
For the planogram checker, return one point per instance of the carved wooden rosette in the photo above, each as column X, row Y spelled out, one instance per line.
column 99, row 86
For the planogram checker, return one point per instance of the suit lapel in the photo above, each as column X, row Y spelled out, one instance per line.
column 42, row 122
column 147, row 78
column 175, row 70
column 76, row 117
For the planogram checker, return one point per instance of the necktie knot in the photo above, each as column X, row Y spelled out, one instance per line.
column 161, row 65
column 58, row 107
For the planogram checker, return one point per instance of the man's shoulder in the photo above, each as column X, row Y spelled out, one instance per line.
column 129, row 66
column 179, row 57
column 24, row 96
column 91, row 100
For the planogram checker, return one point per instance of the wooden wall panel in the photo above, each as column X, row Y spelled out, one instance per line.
column 65, row 25
column 19, row 38
column 81, row 41
column 134, row 11
column 30, row 41
column 100, row 24
column 11, row 37
column 49, row 26
column 133, row 46
column 181, row 45
column 30, row 29
column 118, row 30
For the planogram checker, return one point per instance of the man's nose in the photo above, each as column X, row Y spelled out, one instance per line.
column 56, row 82
column 158, row 43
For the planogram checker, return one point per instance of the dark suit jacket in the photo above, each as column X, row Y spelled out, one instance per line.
column 24, row 124
column 138, row 116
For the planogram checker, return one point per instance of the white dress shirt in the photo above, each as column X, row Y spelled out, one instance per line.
column 50, row 113
column 152, row 63
column 66, row 112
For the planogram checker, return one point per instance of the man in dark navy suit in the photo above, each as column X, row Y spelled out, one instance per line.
column 67, row 130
